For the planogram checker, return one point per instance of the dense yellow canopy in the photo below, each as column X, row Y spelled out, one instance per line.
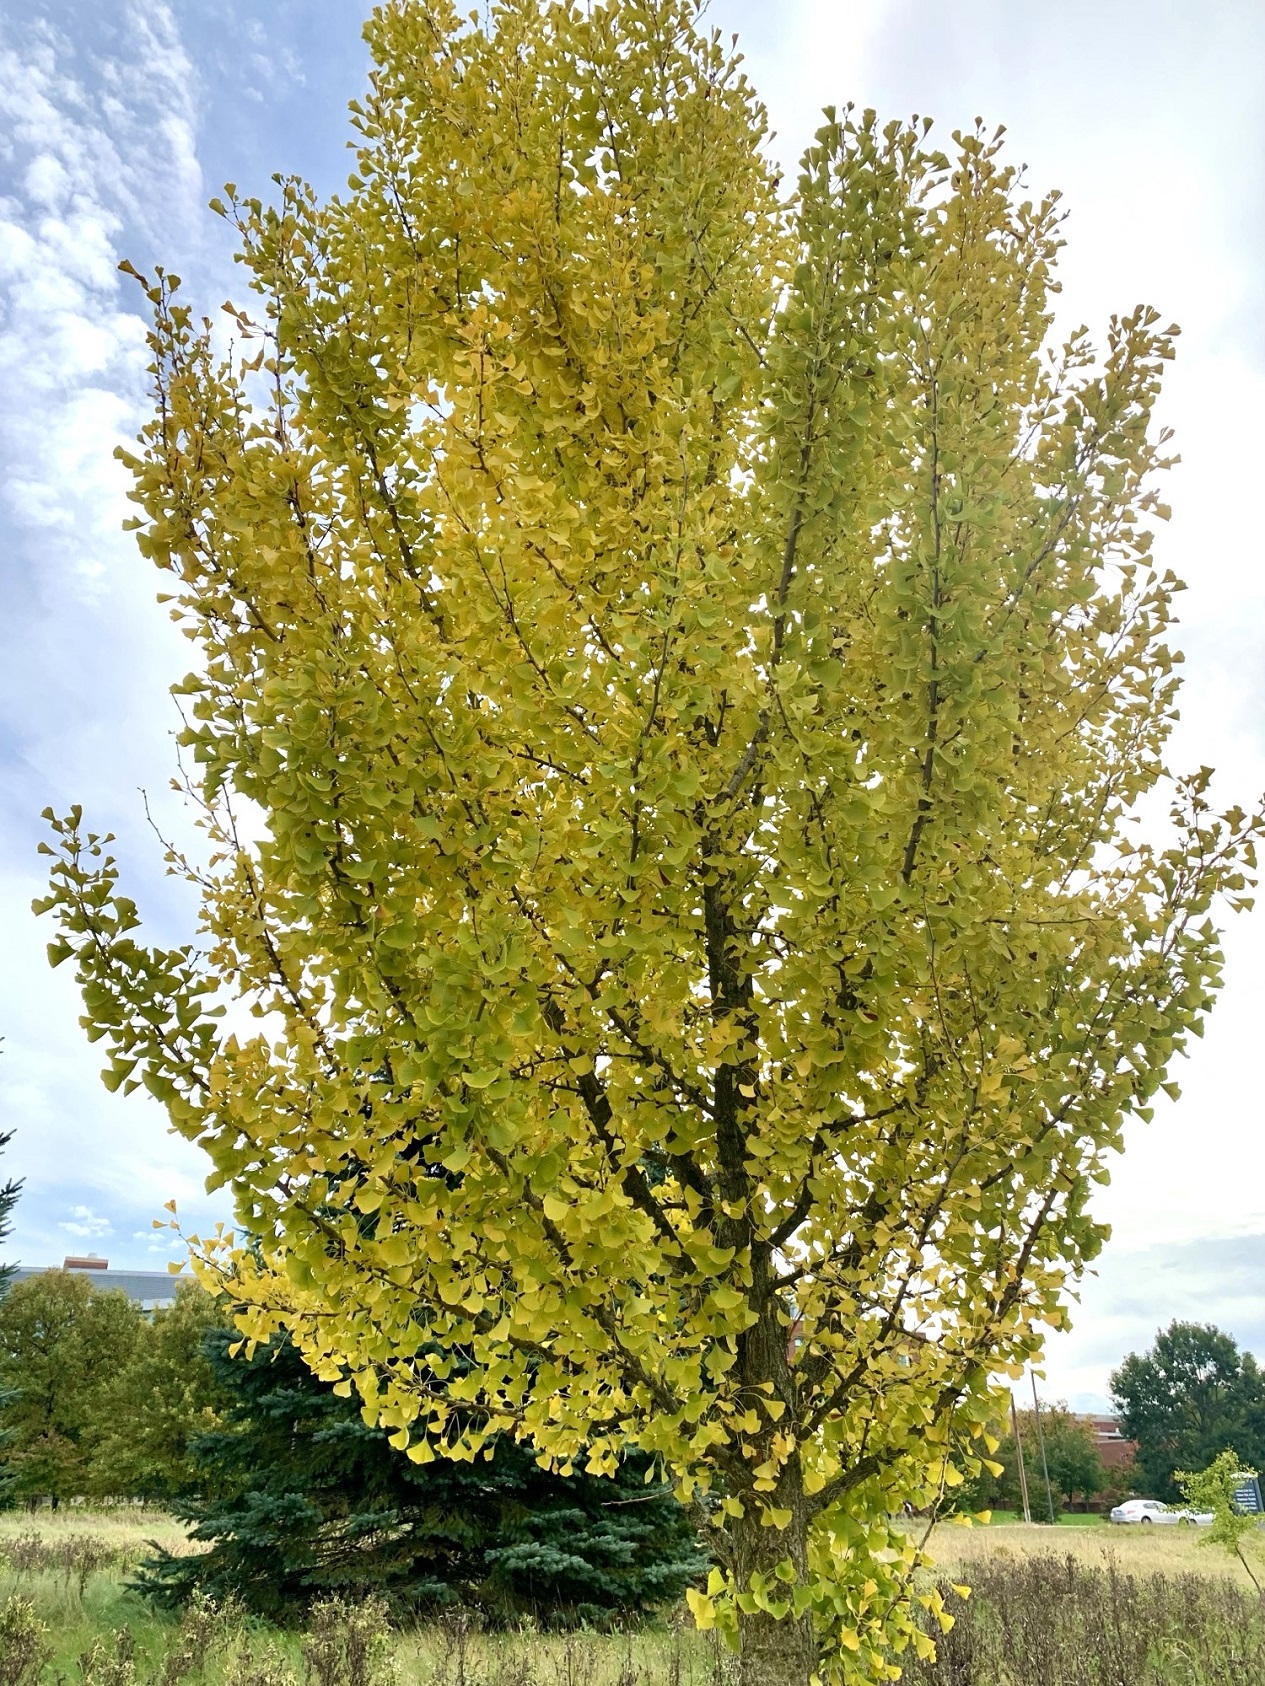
column 677, row 659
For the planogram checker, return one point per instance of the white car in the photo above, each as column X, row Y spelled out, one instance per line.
column 1151, row 1510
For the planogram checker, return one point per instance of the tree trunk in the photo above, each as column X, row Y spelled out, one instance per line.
column 775, row 1653
column 772, row 1652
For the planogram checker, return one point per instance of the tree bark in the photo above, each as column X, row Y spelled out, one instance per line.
column 775, row 1653
column 772, row 1652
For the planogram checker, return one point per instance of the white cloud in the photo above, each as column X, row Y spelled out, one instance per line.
column 84, row 1222
column 72, row 350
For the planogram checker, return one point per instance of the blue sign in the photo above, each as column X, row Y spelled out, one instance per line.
column 1246, row 1497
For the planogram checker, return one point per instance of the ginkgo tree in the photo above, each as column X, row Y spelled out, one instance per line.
column 677, row 661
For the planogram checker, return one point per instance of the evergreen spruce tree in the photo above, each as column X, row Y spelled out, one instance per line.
column 8, row 1200
column 297, row 1497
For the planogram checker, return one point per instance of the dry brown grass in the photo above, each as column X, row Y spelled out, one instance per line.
column 1038, row 1619
column 128, row 1527
column 676, row 1656
column 1135, row 1550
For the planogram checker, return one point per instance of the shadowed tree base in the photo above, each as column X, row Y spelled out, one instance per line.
column 776, row 1653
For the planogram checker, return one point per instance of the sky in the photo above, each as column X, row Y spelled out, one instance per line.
column 119, row 121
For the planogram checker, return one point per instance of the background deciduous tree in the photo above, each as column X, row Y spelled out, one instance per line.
column 149, row 1410
column 61, row 1339
column 693, row 653
column 1187, row 1399
column 9, row 1192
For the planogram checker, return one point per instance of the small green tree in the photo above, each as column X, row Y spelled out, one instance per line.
column 149, row 1412
column 1213, row 1489
column 60, row 1341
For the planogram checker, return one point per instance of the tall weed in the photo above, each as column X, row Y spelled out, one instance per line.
column 24, row 1647
column 1051, row 1621
column 204, row 1626
column 259, row 1663
column 348, row 1644
column 110, row 1662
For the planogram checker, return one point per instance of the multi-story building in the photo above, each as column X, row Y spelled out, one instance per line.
column 149, row 1288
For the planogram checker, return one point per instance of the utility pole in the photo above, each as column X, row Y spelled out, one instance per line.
column 1023, row 1473
column 1049, row 1491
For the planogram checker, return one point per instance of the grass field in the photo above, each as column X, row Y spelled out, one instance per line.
column 1055, row 1606
column 76, row 1617
column 128, row 1527
column 246, row 1653
column 1135, row 1550
column 1069, row 1519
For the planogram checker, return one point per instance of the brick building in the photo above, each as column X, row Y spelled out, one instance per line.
column 1115, row 1451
